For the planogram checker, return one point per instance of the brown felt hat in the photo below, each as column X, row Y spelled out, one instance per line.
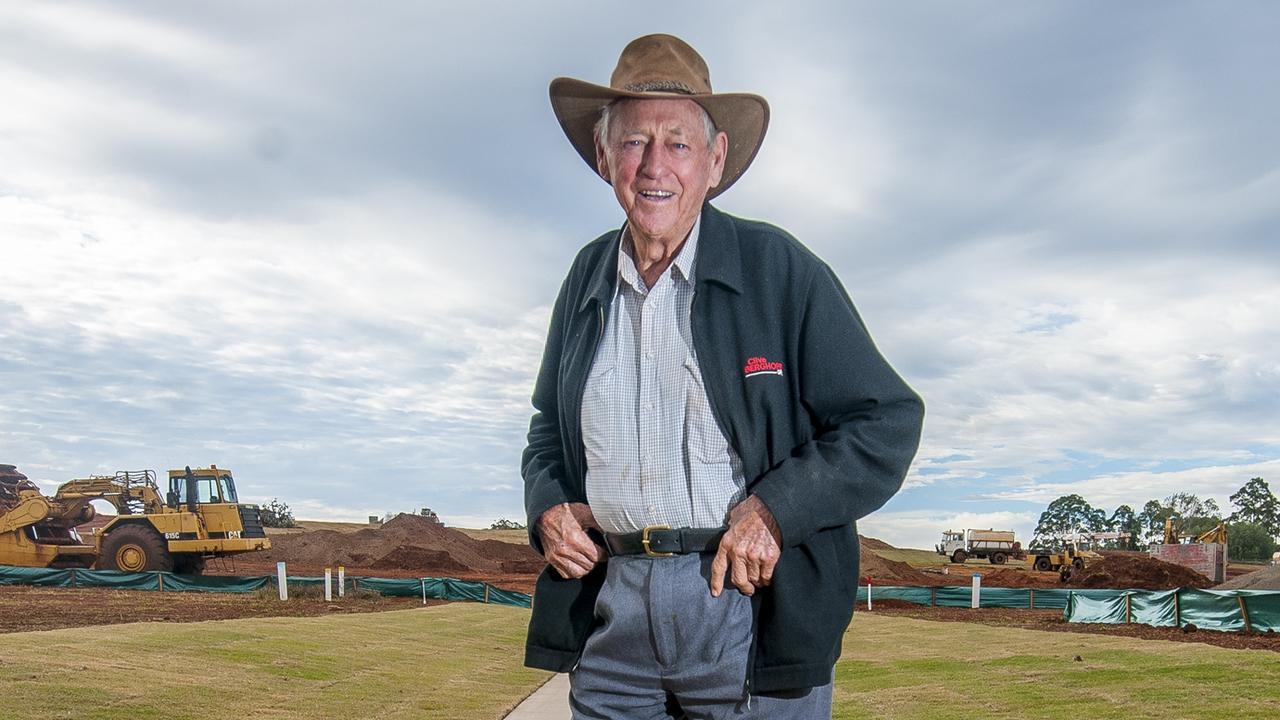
column 663, row 66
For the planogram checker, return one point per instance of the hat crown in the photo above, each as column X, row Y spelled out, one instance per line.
column 661, row 63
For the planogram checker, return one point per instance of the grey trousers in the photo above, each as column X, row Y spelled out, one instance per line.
column 667, row 649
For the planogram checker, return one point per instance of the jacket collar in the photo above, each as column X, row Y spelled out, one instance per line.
column 719, row 259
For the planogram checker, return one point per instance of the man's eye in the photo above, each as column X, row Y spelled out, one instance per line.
column 680, row 146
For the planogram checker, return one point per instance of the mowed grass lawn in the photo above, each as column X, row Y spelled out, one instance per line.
column 896, row 667
column 462, row 661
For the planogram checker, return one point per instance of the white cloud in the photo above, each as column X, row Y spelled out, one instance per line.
column 922, row 529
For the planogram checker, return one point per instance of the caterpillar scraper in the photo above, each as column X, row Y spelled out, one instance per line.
column 199, row 518
column 36, row 531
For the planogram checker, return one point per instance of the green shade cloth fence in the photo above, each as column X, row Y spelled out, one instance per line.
column 1224, row 610
column 427, row 588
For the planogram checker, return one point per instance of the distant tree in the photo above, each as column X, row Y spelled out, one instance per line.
column 1250, row 541
column 1068, row 514
column 1152, row 518
column 1191, row 516
column 277, row 514
column 505, row 524
column 1255, row 503
column 1124, row 519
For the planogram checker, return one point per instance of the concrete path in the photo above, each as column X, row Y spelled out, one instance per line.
column 549, row 702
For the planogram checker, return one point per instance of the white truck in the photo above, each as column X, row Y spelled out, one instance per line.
column 997, row 546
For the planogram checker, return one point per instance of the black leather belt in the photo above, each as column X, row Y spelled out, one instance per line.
column 663, row 541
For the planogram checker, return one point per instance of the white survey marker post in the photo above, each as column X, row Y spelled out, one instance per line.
column 868, row 592
column 977, row 590
column 282, row 581
column 328, row 584
column 342, row 581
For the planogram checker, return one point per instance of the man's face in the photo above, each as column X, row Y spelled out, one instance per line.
column 659, row 164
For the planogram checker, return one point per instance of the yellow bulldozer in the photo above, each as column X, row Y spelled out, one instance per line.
column 200, row 517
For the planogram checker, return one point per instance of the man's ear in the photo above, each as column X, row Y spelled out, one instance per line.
column 602, row 160
column 719, row 151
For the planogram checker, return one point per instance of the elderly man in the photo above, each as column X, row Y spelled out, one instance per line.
column 711, row 419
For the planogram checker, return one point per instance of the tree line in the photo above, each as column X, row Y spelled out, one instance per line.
column 1253, row 526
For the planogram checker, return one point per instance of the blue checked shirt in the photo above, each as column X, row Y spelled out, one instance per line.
column 655, row 455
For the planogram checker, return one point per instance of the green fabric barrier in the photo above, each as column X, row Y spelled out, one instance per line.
column 954, row 596
column 46, row 577
column 1005, row 597
column 1217, row 610
column 1264, row 609
column 917, row 595
column 391, row 587
column 1049, row 599
column 463, row 590
column 499, row 596
column 435, row 588
column 1210, row 610
column 1155, row 608
column 117, row 580
column 1083, row 609
column 214, row 583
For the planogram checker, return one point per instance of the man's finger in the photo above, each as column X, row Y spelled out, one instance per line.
column 741, row 578
column 718, row 567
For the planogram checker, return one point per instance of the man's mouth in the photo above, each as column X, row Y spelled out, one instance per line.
column 655, row 194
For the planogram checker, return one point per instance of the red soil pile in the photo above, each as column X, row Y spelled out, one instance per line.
column 871, row 543
column 1137, row 572
column 407, row 542
column 889, row 572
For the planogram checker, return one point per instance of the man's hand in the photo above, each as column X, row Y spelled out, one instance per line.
column 565, row 543
column 749, row 549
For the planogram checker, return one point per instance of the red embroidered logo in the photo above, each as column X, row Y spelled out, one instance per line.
column 761, row 366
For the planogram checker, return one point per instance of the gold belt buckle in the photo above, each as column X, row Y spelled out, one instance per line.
column 644, row 541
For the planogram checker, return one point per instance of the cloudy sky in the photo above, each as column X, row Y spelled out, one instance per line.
column 318, row 244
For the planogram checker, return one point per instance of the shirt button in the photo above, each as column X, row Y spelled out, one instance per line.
column 648, row 355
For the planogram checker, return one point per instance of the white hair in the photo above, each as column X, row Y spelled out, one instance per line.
column 602, row 125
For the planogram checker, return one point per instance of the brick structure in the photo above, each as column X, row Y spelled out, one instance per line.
column 1208, row 559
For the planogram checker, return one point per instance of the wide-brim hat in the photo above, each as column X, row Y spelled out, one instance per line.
column 663, row 66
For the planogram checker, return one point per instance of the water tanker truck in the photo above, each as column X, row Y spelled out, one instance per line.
column 997, row 546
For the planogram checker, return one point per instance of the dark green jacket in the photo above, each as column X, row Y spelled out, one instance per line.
column 825, row 428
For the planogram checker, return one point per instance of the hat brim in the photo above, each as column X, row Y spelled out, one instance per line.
column 742, row 116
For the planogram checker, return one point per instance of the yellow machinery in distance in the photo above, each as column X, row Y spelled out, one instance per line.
column 198, row 518
column 1217, row 534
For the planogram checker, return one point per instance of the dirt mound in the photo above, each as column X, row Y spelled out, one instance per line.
column 1010, row 578
column 1268, row 578
column 407, row 542
column 889, row 572
column 1137, row 572
column 874, row 544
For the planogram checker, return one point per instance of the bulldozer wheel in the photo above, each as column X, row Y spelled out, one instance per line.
column 959, row 557
column 1078, row 563
column 999, row 558
column 1042, row 564
column 136, row 548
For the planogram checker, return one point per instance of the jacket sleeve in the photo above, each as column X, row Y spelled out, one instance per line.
column 543, row 463
column 866, row 422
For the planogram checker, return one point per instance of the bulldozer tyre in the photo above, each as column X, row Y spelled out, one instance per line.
column 135, row 548
column 959, row 557
column 999, row 558
column 1042, row 564
column 1078, row 563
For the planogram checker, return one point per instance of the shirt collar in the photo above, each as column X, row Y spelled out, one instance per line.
column 681, row 267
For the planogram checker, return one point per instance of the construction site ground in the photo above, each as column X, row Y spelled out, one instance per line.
column 410, row 546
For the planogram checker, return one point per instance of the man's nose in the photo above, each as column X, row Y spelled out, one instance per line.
column 653, row 160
